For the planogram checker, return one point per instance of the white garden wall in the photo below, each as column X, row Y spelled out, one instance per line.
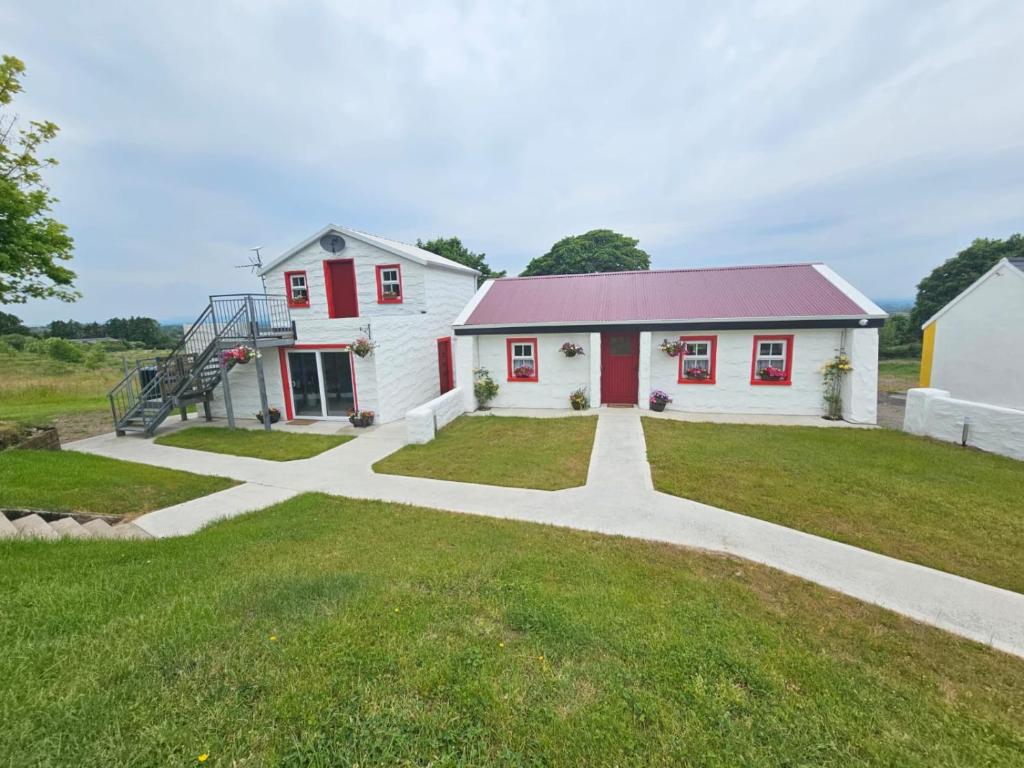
column 422, row 422
column 931, row 412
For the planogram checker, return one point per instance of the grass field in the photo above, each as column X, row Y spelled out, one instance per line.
column 898, row 375
column 329, row 631
column 36, row 389
column 65, row 481
column 548, row 454
column 915, row 499
column 275, row 446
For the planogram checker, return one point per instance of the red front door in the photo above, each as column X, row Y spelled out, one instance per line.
column 340, row 280
column 620, row 367
column 444, row 364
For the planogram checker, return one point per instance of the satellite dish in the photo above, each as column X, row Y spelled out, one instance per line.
column 332, row 243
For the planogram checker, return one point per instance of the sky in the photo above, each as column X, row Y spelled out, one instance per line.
column 878, row 137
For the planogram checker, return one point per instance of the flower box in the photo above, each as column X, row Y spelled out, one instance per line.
column 523, row 372
column 771, row 374
column 697, row 374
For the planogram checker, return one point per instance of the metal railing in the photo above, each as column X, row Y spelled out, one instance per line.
column 147, row 393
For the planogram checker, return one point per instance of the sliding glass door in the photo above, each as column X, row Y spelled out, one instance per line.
column 321, row 382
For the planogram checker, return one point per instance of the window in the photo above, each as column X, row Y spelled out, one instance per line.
column 697, row 362
column 297, row 289
column 389, row 284
column 772, row 360
column 522, row 359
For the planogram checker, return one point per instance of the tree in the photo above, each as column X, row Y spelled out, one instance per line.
column 949, row 279
column 599, row 250
column 11, row 324
column 32, row 244
column 452, row 248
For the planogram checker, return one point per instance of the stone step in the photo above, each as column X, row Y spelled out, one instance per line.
column 69, row 527
column 34, row 527
column 128, row 531
column 7, row 529
column 98, row 529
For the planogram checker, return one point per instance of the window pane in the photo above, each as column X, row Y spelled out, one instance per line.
column 338, row 383
column 305, row 383
column 621, row 346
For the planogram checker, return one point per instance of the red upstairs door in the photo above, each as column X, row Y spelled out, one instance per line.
column 444, row 364
column 620, row 368
column 340, row 282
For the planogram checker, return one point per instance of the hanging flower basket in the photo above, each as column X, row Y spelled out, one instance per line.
column 771, row 373
column 571, row 350
column 659, row 400
column 671, row 348
column 363, row 346
column 238, row 355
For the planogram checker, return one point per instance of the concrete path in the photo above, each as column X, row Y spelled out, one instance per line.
column 618, row 499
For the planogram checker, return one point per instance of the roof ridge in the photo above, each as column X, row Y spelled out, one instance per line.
column 663, row 271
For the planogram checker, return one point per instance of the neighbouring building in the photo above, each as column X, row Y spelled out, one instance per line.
column 972, row 369
column 732, row 323
column 341, row 285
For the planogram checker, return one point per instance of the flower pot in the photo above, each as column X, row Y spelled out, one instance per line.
column 577, row 406
column 275, row 416
column 658, row 405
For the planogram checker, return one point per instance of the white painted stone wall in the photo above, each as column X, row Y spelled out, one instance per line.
column 732, row 391
column 932, row 412
column 860, row 386
column 422, row 422
column 466, row 361
column 245, row 391
column 558, row 375
column 979, row 342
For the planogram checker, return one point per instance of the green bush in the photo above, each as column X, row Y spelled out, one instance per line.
column 114, row 346
column 912, row 350
column 16, row 340
column 95, row 357
column 64, row 350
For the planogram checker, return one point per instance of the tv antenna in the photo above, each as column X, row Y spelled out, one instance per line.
column 255, row 265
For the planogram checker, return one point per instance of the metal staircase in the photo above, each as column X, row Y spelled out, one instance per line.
column 190, row 372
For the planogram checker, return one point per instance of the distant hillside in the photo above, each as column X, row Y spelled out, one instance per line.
column 895, row 306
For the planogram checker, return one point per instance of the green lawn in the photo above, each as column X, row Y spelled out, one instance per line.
column 274, row 445
column 932, row 503
column 330, row 631
column 898, row 375
column 65, row 481
column 548, row 454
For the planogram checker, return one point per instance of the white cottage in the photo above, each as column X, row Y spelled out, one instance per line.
column 731, row 325
column 341, row 285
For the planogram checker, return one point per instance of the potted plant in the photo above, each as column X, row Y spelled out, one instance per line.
column 275, row 415
column 361, row 418
column 771, row 373
column 697, row 374
column 523, row 372
column 571, row 350
column 578, row 399
column 363, row 346
column 659, row 400
column 484, row 387
column 832, row 377
column 671, row 348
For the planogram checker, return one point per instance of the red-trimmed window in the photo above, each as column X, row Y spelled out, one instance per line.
column 697, row 361
column 772, row 360
column 296, row 289
column 521, row 355
column 389, row 284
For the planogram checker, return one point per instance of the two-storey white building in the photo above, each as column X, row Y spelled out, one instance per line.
column 342, row 285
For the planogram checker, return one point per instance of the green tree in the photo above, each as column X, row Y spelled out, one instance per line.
column 11, row 324
column 950, row 278
column 64, row 329
column 599, row 250
column 452, row 248
column 32, row 244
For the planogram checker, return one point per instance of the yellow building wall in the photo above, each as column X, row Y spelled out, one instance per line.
column 927, row 350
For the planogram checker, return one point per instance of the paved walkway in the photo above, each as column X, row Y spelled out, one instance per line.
column 618, row 499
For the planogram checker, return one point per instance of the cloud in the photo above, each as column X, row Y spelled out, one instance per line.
column 878, row 138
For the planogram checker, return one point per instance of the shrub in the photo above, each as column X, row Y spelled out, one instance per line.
column 114, row 346
column 911, row 350
column 95, row 357
column 16, row 340
column 64, row 350
column 484, row 387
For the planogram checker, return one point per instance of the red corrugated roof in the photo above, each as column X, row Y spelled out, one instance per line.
column 787, row 290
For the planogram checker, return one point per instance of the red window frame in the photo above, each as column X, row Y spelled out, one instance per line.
column 712, row 342
column 381, row 299
column 788, row 338
column 288, row 288
column 508, row 358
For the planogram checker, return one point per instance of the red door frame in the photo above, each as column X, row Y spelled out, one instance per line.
column 626, row 368
column 286, row 382
column 446, row 372
column 329, row 285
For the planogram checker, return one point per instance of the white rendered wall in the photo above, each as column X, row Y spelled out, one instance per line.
column 245, row 390
column 558, row 375
column 422, row 422
column 932, row 412
column 466, row 362
column 594, row 351
column 979, row 343
column 860, row 386
column 732, row 391
column 643, row 395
